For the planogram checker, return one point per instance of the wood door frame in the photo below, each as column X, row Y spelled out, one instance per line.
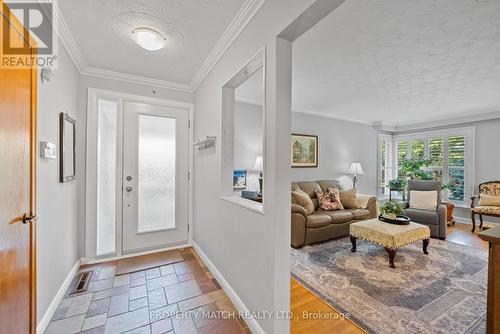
column 93, row 94
column 16, row 24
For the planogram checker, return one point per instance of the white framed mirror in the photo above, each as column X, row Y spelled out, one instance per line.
column 243, row 135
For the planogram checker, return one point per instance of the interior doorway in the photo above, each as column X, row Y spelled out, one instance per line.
column 138, row 162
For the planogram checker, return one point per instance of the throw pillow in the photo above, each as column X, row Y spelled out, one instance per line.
column 423, row 200
column 303, row 199
column 349, row 199
column 329, row 200
column 488, row 200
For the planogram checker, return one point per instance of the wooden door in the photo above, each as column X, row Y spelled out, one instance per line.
column 17, row 191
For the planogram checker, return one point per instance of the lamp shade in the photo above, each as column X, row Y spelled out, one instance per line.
column 355, row 169
column 259, row 163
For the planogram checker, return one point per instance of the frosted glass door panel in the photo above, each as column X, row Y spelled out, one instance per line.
column 156, row 172
column 155, row 177
column 106, row 177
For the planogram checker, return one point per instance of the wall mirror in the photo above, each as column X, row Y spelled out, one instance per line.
column 67, row 135
column 243, row 132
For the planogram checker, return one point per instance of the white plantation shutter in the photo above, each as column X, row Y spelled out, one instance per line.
column 451, row 153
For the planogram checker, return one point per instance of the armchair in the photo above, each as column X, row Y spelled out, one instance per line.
column 435, row 219
column 491, row 188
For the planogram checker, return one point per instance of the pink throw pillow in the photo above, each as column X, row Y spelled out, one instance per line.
column 329, row 200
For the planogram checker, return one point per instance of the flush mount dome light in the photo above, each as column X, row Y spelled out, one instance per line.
column 149, row 39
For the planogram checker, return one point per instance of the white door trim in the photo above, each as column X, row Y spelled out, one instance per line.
column 91, row 164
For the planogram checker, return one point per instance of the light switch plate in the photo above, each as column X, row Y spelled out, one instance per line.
column 47, row 150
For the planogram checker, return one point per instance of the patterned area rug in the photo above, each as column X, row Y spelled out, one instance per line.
column 443, row 292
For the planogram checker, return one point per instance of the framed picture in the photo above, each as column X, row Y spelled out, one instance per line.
column 67, row 138
column 240, row 179
column 304, row 151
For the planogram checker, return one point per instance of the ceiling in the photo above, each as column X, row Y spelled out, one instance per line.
column 400, row 61
column 104, row 44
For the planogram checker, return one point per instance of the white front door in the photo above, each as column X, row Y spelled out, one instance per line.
column 155, row 176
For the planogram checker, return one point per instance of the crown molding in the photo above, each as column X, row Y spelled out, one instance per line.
column 244, row 15
column 107, row 74
column 67, row 39
column 339, row 118
column 459, row 119
column 242, row 18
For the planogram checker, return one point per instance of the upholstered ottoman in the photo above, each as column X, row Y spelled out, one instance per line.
column 390, row 236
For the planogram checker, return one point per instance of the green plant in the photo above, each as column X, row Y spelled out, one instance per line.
column 392, row 208
column 397, row 184
column 414, row 168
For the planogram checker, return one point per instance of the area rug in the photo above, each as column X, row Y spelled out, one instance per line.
column 443, row 292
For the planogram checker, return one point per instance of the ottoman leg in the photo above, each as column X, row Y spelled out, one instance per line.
column 426, row 243
column 353, row 241
column 392, row 255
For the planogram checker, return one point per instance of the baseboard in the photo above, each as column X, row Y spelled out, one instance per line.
column 238, row 303
column 44, row 323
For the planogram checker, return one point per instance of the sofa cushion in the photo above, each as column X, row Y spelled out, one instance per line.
column 325, row 184
column 310, row 188
column 338, row 216
column 318, row 219
column 487, row 210
column 360, row 213
column 348, row 199
column 427, row 217
column 303, row 199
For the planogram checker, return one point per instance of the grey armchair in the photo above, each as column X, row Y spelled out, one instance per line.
column 435, row 219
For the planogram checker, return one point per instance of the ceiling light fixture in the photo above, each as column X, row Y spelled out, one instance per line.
column 149, row 39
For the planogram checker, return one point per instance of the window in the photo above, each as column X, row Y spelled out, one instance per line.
column 107, row 114
column 386, row 168
column 450, row 153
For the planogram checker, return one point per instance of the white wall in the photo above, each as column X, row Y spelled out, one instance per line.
column 248, row 140
column 250, row 249
column 57, row 230
column 339, row 144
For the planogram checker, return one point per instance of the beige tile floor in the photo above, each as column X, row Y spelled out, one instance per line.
column 179, row 298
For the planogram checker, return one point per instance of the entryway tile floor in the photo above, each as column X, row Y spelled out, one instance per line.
column 179, row 298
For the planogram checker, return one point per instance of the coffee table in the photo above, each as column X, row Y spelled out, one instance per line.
column 390, row 236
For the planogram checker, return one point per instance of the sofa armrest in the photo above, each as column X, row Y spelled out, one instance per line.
column 299, row 220
column 299, row 209
column 369, row 203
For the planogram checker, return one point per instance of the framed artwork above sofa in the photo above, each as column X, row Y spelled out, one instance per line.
column 304, row 151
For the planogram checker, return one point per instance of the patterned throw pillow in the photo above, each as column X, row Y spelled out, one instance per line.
column 329, row 200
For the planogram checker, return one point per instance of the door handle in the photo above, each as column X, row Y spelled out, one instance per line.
column 128, row 189
column 29, row 218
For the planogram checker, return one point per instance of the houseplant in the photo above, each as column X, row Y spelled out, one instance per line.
column 397, row 184
column 391, row 210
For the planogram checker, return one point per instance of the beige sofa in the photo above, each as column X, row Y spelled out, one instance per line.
column 325, row 225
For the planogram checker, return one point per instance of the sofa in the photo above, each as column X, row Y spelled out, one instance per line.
column 436, row 219
column 325, row 225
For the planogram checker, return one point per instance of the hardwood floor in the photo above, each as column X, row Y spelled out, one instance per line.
column 302, row 300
